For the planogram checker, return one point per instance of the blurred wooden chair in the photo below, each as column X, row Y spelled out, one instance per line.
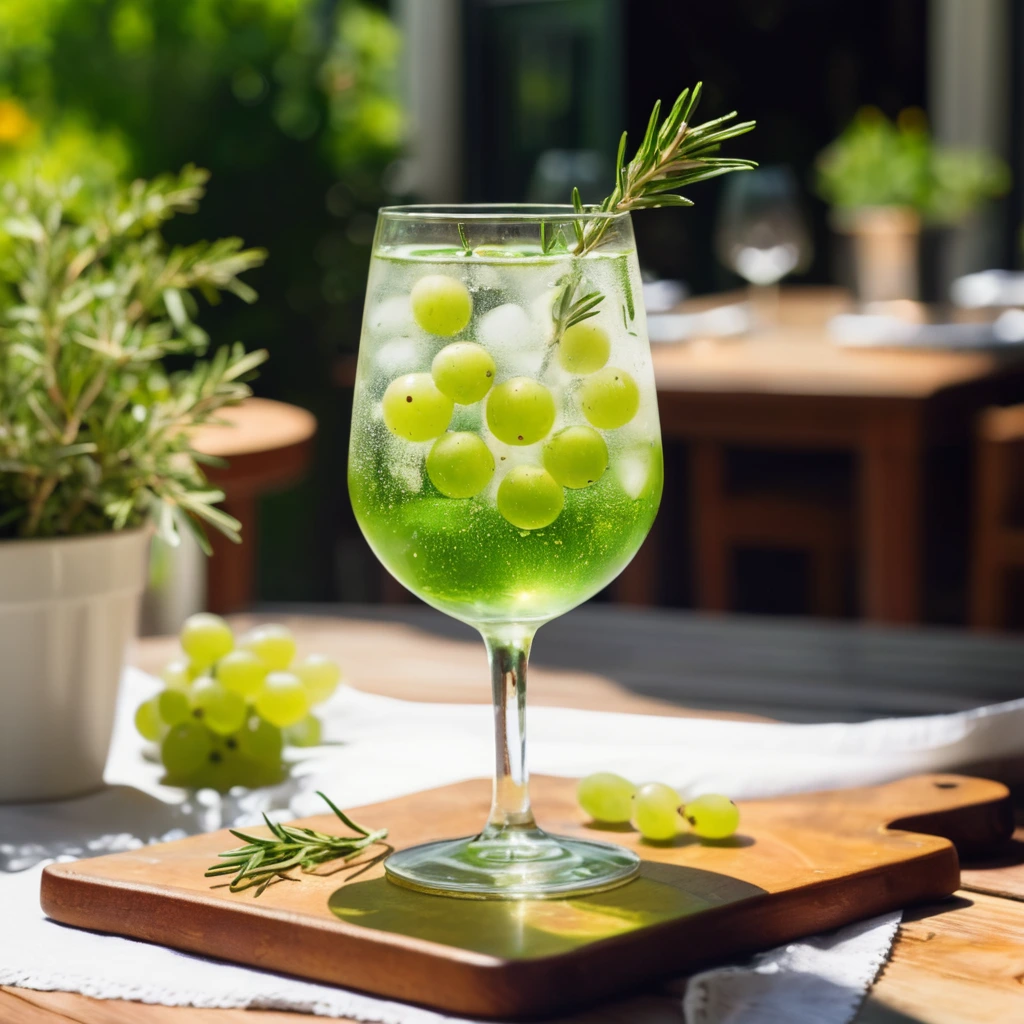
column 267, row 446
column 998, row 513
column 819, row 524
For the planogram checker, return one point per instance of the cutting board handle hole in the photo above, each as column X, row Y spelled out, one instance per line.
column 945, row 785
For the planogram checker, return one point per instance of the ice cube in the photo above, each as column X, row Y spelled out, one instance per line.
column 511, row 337
column 506, row 327
column 406, row 461
column 393, row 358
column 633, row 468
column 542, row 312
column 483, row 277
column 392, row 316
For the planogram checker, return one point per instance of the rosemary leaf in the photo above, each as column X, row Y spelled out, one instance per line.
column 673, row 154
column 262, row 859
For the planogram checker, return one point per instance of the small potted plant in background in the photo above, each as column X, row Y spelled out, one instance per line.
column 883, row 180
column 94, row 447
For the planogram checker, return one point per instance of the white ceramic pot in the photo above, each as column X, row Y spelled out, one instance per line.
column 68, row 608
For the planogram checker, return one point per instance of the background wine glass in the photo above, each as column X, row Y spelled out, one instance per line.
column 761, row 233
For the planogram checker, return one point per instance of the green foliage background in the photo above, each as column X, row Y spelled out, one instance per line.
column 292, row 105
column 878, row 162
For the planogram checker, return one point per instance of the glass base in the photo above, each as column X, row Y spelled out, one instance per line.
column 512, row 865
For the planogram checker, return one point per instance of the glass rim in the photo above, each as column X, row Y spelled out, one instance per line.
column 455, row 213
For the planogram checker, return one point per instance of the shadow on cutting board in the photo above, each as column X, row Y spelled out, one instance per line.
column 528, row 929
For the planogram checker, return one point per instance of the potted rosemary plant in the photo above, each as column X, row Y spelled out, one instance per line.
column 94, row 448
column 884, row 180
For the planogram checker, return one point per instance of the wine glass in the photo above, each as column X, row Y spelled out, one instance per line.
column 761, row 232
column 505, row 465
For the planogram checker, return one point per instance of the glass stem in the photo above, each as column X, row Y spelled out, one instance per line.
column 509, row 652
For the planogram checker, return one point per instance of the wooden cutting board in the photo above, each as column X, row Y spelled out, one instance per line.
column 799, row 865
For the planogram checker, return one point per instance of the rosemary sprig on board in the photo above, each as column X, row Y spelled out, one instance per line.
column 673, row 154
column 263, row 859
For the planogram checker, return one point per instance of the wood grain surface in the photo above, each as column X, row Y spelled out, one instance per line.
column 956, row 961
column 800, row 865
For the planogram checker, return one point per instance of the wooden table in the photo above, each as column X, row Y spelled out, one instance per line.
column 789, row 387
column 955, row 962
column 267, row 446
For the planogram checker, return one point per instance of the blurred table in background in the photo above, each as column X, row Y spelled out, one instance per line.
column 998, row 515
column 788, row 386
column 267, row 446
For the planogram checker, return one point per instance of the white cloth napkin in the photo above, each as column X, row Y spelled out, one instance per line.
column 377, row 748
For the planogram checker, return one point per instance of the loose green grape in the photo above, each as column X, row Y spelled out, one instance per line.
column 655, row 811
column 463, row 371
column 712, row 816
column 584, row 348
column 320, row 676
column 460, row 465
column 306, row 733
column 441, row 304
column 147, row 720
column 530, row 498
column 173, row 707
column 206, row 638
column 610, row 398
column 185, row 749
column 414, row 409
column 520, row 411
column 576, row 456
column 283, row 701
column 260, row 741
column 212, row 775
column 177, row 674
column 273, row 644
column 223, row 768
column 241, row 672
column 221, row 710
column 606, row 796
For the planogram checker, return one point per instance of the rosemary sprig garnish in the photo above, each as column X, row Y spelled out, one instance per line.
column 263, row 859
column 673, row 154
column 550, row 240
column 467, row 249
column 568, row 313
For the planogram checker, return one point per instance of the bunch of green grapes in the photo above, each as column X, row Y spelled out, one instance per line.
column 229, row 705
column 519, row 411
column 656, row 810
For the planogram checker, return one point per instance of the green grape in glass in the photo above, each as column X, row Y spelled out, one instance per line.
column 501, row 479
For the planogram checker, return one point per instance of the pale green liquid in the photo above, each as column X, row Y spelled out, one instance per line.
column 461, row 555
